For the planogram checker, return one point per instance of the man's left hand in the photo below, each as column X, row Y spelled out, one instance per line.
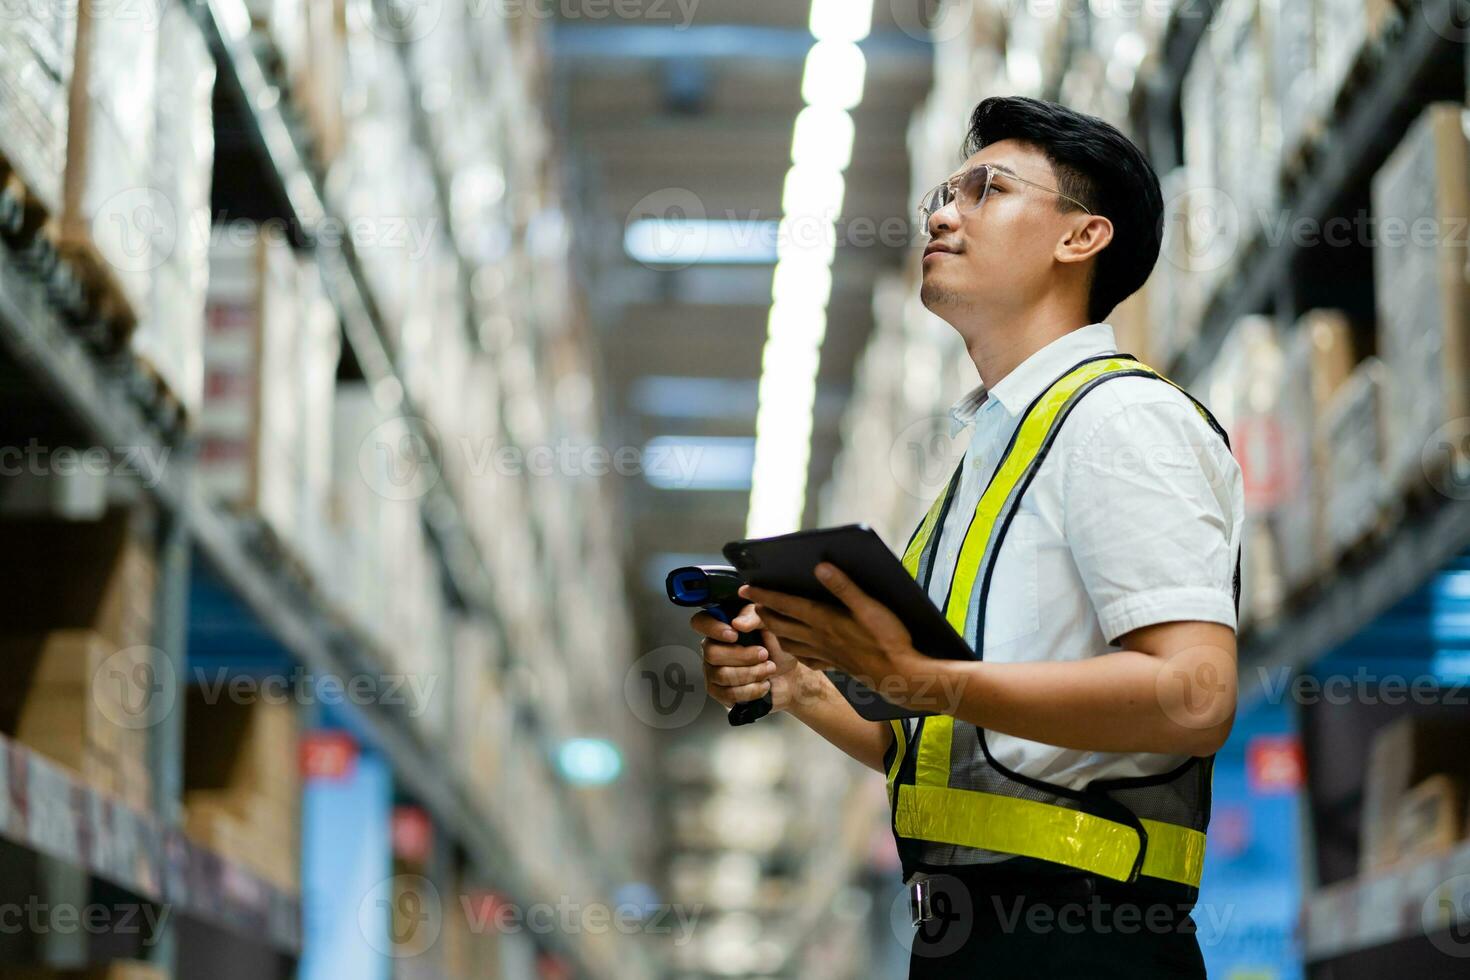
column 862, row 638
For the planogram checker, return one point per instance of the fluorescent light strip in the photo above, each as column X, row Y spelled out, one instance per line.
column 801, row 286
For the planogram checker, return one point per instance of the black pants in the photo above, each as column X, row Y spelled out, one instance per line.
column 1001, row 926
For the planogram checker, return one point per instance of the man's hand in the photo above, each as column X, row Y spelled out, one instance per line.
column 862, row 638
column 734, row 674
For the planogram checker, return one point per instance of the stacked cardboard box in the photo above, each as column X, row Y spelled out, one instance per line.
column 71, row 697
column 1239, row 389
column 319, row 348
column 1248, row 134
column 1346, row 27
column 1421, row 205
column 79, row 611
column 1357, row 488
column 1294, row 28
column 1197, row 227
column 35, row 67
column 1319, row 358
column 108, row 223
column 242, row 788
column 1414, row 791
column 270, row 357
column 170, row 336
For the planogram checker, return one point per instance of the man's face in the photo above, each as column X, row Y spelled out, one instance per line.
column 998, row 256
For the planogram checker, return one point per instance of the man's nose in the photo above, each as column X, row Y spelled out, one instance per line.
column 945, row 219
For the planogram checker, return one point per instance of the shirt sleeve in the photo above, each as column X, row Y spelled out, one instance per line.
column 1150, row 513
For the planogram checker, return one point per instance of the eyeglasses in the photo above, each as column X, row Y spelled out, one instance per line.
column 970, row 188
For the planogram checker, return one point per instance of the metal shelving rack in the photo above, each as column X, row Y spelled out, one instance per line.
column 1421, row 898
column 43, row 808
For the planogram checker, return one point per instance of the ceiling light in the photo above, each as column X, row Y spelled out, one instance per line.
column 822, row 138
column 813, row 191
column 834, row 75
column 841, row 20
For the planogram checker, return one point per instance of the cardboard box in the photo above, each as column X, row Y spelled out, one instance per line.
column 1348, row 25
column 1294, row 29
column 1429, row 819
column 242, row 789
column 252, row 454
column 1404, row 754
column 94, row 575
column 36, row 42
column 170, row 336
column 62, row 702
column 107, row 223
column 1318, row 360
column 1421, row 205
column 1357, row 486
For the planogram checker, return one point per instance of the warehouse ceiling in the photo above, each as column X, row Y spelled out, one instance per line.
column 690, row 107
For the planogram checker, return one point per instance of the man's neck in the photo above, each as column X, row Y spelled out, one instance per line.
column 998, row 347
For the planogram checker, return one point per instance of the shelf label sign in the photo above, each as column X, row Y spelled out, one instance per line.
column 1275, row 764
column 328, row 755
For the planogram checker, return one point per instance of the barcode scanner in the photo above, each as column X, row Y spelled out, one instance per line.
column 714, row 588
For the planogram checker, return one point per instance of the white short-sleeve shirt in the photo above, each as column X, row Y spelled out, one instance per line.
column 1134, row 518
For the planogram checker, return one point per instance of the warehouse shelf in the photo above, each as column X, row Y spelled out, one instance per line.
column 227, row 28
column 423, row 135
column 99, row 398
column 1156, row 99
column 1374, row 119
column 1357, row 594
column 102, row 398
column 46, row 808
column 1414, row 900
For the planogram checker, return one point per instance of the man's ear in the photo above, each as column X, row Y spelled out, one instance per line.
column 1085, row 239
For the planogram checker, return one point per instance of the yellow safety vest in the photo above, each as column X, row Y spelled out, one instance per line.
column 949, row 796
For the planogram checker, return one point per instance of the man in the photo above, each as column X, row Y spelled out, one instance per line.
column 1051, row 814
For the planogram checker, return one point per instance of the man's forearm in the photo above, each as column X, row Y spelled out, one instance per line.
column 822, row 708
column 1125, row 701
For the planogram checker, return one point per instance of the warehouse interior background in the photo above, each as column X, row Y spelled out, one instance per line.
column 366, row 364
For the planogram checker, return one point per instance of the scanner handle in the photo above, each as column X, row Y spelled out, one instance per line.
column 746, row 711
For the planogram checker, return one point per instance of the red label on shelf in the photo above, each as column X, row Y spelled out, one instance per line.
column 328, row 755
column 1275, row 764
column 413, row 834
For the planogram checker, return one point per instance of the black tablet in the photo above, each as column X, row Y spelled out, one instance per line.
column 784, row 563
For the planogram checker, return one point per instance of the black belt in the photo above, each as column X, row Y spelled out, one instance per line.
column 1027, row 882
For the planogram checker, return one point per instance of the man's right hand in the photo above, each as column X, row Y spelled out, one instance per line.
column 734, row 674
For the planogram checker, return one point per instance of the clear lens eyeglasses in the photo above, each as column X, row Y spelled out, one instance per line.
column 969, row 189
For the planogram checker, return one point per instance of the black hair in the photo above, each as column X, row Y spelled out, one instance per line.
column 1097, row 165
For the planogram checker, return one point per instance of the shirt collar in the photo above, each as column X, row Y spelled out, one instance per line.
column 1029, row 378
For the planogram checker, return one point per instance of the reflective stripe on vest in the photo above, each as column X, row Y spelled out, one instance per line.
column 929, row 808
